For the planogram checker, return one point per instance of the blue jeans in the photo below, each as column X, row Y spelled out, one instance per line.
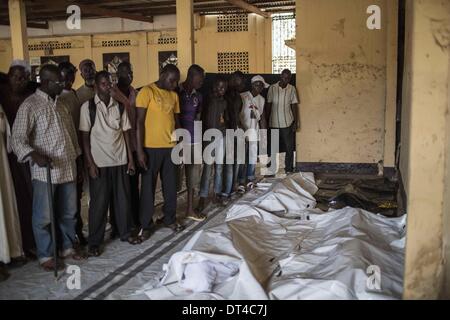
column 246, row 173
column 65, row 208
column 206, row 175
column 231, row 176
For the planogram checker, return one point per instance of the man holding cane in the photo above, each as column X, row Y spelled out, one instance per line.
column 44, row 134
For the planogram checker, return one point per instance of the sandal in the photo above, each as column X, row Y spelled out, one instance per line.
column 133, row 240
column 49, row 265
column 241, row 189
column 145, row 235
column 251, row 185
column 196, row 217
column 77, row 256
column 74, row 255
column 176, row 227
column 94, row 251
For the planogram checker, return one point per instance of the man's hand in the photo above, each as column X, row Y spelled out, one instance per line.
column 80, row 177
column 93, row 171
column 40, row 160
column 131, row 168
column 117, row 95
column 142, row 159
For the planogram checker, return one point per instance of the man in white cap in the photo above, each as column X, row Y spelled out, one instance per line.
column 252, row 119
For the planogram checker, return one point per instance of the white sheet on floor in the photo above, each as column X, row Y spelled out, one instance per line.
column 286, row 249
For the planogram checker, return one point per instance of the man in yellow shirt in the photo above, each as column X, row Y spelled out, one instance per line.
column 158, row 111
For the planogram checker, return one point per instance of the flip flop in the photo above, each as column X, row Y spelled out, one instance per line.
column 94, row 252
column 176, row 227
column 133, row 240
column 145, row 235
column 196, row 217
column 49, row 266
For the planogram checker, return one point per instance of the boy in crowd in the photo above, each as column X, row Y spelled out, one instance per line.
column 158, row 111
column 106, row 143
column 252, row 119
column 191, row 107
column 214, row 117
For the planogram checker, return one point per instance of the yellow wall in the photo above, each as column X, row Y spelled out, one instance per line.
column 257, row 41
column 425, row 147
column 342, row 76
column 5, row 55
column 144, row 48
column 152, row 52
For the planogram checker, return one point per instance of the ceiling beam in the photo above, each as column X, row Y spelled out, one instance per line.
column 93, row 9
column 37, row 25
column 249, row 7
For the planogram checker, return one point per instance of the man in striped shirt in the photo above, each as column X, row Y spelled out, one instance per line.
column 282, row 107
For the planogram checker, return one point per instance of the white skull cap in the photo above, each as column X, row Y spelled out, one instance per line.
column 21, row 63
column 260, row 78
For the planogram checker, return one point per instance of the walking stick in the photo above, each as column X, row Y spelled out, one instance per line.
column 52, row 218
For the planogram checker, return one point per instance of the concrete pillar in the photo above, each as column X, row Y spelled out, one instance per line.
column 18, row 23
column 268, row 45
column 263, row 44
column 425, row 147
column 185, row 35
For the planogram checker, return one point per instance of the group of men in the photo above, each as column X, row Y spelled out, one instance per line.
column 120, row 141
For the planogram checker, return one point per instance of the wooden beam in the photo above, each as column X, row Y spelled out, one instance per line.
column 33, row 25
column 249, row 7
column 93, row 9
column 36, row 25
column 185, row 35
column 18, row 29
